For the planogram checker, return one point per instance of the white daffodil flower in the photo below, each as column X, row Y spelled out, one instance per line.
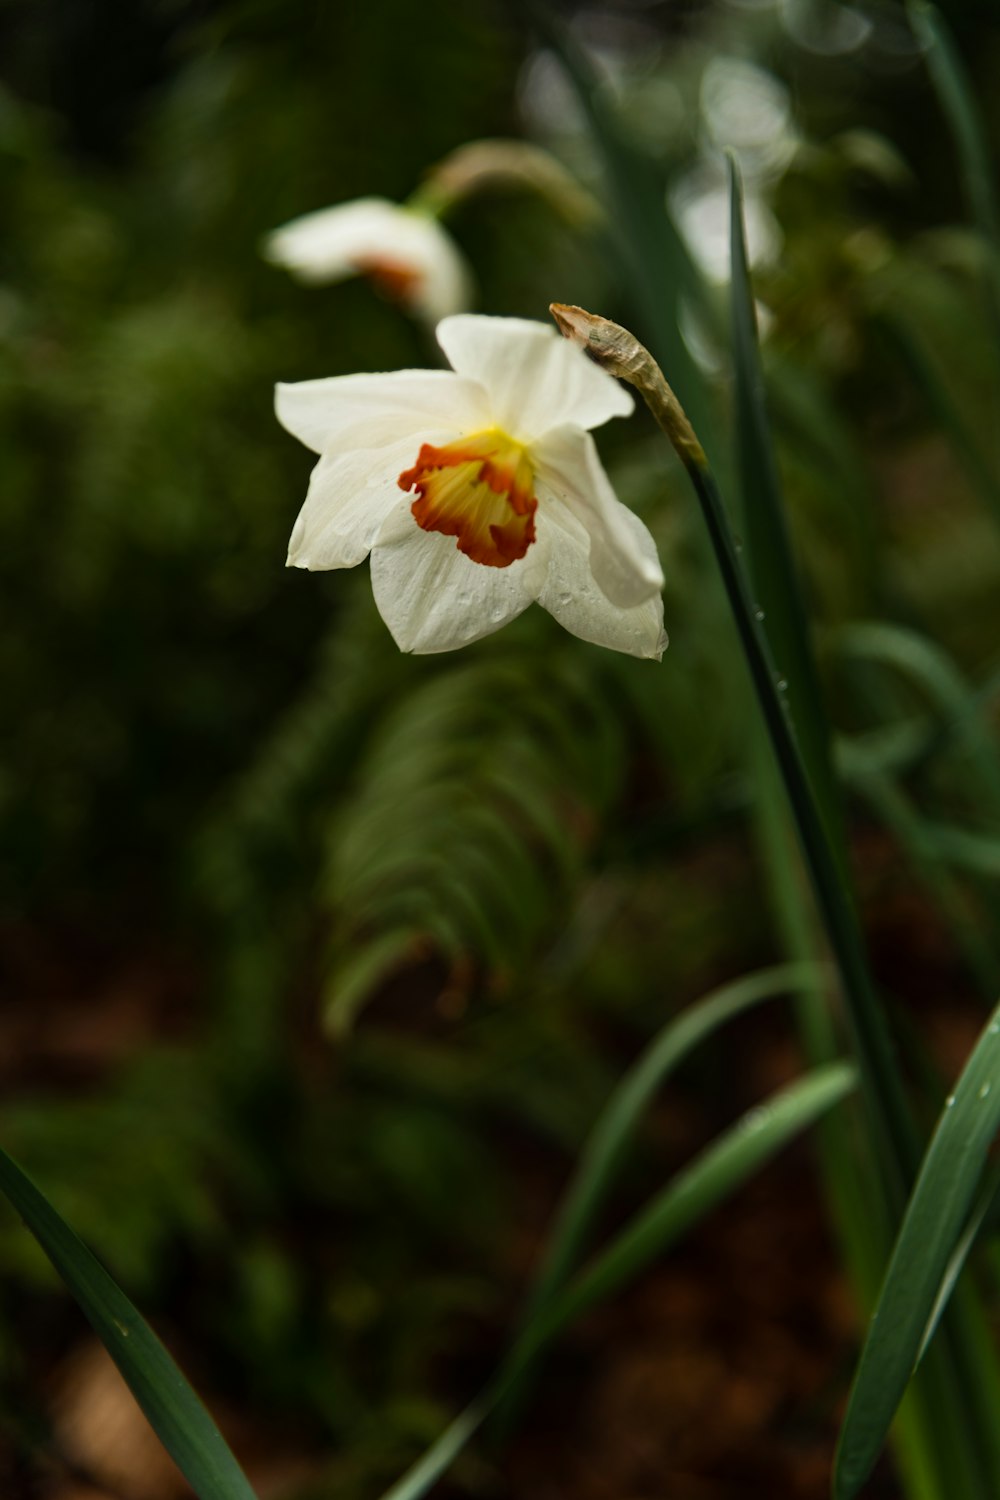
column 478, row 491
column 407, row 255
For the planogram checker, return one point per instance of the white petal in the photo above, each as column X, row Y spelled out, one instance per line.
column 534, row 377
column 325, row 246
column 623, row 559
column 572, row 597
column 434, row 598
column 350, row 495
column 363, row 411
column 354, row 237
column 446, row 286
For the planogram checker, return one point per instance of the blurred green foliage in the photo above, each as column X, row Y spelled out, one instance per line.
column 519, row 858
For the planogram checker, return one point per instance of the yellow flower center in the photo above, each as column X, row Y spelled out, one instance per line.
column 479, row 490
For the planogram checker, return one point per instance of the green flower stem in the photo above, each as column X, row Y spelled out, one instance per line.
column 893, row 1131
column 882, row 1085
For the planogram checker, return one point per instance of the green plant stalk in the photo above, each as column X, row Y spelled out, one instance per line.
column 891, row 1126
column 656, row 272
column 930, row 1445
column 856, row 1201
column 866, row 1235
column 771, row 566
column 893, row 1132
column 882, row 1091
column 922, row 1451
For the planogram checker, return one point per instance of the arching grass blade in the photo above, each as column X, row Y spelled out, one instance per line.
column 717, row 1171
column 732, row 1158
column 602, row 1155
column 175, row 1413
column 611, row 1136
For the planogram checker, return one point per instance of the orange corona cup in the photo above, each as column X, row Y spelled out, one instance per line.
column 478, row 490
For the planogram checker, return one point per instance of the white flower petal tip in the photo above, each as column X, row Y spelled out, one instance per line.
column 536, row 380
column 477, row 491
column 407, row 255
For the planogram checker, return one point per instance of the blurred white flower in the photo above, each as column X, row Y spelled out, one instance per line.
column 477, row 490
column 407, row 254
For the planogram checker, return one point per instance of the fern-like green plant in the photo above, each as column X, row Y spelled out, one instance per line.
column 467, row 830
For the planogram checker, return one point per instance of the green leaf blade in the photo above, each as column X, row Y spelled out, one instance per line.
column 772, row 564
column 174, row 1411
column 610, row 1137
column 612, row 1134
column 914, row 1291
column 717, row 1171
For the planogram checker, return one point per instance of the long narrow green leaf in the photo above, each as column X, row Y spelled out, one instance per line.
column 769, row 549
column 982, row 1210
column 956, row 1441
column 955, row 1370
column 174, row 1411
column 933, row 1226
column 719, row 1170
column 609, row 1141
